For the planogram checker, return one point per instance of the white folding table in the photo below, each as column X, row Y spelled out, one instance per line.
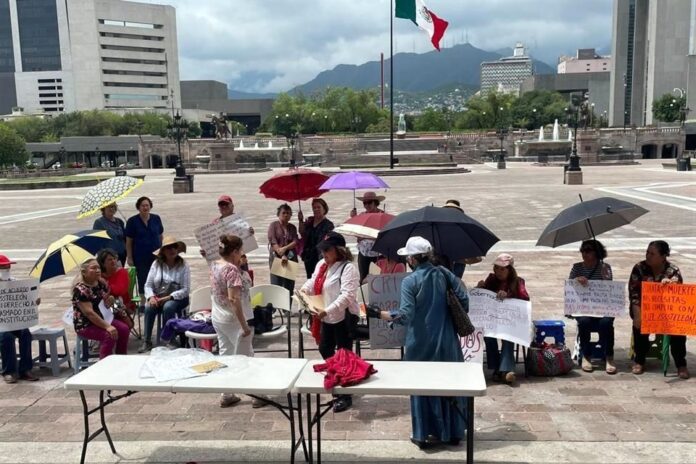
column 260, row 376
column 449, row 379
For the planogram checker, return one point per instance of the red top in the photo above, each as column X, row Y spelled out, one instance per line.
column 119, row 283
column 495, row 285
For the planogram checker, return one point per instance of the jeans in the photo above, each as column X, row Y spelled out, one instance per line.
column 641, row 344
column 602, row 325
column 334, row 336
column 231, row 340
column 106, row 343
column 169, row 309
column 502, row 360
column 9, row 353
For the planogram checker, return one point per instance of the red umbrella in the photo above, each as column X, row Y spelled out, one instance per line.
column 365, row 225
column 295, row 184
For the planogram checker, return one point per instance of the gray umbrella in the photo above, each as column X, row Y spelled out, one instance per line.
column 587, row 219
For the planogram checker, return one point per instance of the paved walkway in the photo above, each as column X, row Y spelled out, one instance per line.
column 577, row 418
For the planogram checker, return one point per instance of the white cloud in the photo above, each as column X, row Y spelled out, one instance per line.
column 273, row 45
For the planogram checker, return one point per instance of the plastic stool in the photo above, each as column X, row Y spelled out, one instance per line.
column 82, row 355
column 52, row 358
column 654, row 351
column 597, row 349
column 550, row 328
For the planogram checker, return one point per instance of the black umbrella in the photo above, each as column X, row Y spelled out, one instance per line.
column 451, row 232
column 588, row 219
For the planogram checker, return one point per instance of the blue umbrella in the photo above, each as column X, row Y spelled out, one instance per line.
column 68, row 252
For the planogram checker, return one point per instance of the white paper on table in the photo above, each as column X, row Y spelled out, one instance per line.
column 106, row 313
column 165, row 365
column 289, row 271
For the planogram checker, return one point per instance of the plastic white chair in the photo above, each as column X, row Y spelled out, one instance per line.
column 279, row 298
column 199, row 300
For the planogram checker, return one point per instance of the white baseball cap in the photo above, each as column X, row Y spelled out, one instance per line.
column 415, row 246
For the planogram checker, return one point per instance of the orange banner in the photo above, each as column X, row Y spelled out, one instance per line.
column 668, row 309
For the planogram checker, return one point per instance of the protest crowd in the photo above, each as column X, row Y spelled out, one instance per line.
column 142, row 271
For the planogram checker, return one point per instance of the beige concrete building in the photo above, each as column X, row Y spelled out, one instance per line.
column 87, row 54
column 585, row 61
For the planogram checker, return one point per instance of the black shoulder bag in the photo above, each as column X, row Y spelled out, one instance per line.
column 460, row 319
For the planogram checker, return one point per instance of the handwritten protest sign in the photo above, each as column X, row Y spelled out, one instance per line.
column 385, row 292
column 600, row 298
column 18, row 309
column 508, row 319
column 472, row 347
column 208, row 236
column 668, row 309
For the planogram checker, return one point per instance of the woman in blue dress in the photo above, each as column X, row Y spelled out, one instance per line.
column 143, row 236
column 430, row 336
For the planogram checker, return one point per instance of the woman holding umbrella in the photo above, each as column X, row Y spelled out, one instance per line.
column 430, row 336
column 115, row 228
column 282, row 240
column 313, row 231
column 143, row 237
column 655, row 268
column 593, row 267
column 371, row 202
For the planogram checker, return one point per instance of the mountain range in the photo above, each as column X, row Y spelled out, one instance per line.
column 413, row 72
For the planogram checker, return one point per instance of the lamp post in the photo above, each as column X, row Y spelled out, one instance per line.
column 502, row 131
column 177, row 133
column 574, row 160
column 292, row 139
column 448, row 119
column 61, row 156
column 97, row 153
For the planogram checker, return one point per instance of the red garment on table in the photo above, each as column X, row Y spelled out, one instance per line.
column 345, row 368
column 315, row 326
column 119, row 284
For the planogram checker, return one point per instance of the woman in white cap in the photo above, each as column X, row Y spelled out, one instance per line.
column 371, row 202
column 167, row 286
column 505, row 283
column 430, row 336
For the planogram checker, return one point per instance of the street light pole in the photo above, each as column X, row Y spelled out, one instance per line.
column 502, row 132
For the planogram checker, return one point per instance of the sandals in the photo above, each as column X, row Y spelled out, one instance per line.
column 637, row 369
column 610, row 366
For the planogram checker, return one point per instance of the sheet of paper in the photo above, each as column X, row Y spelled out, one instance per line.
column 374, row 269
column 289, row 271
column 208, row 236
column 210, row 366
column 106, row 313
column 310, row 302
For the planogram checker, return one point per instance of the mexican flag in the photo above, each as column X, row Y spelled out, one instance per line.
column 416, row 11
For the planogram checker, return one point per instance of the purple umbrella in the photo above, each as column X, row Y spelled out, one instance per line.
column 353, row 180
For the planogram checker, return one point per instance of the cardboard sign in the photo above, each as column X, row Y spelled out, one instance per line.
column 208, row 236
column 600, row 298
column 509, row 319
column 385, row 292
column 18, row 309
column 472, row 347
column 668, row 309
column 289, row 271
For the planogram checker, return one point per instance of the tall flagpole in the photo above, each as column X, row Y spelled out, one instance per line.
column 391, row 84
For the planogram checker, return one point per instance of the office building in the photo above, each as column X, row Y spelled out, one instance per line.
column 506, row 74
column 66, row 55
column 585, row 61
column 653, row 53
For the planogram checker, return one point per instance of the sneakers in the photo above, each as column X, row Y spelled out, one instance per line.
column 610, row 367
column 259, row 402
column 586, row 364
column 342, row 403
column 145, row 347
column 227, row 400
column 510, row 378
column 683, row 373
column 9, row 378
column 637, row 369
column 28, row 376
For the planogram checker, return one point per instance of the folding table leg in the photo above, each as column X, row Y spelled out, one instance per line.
column 309, row 427
column 318, row 425
column 85, row 413
column 103, row 421
column 300, row 423
column 470, row 430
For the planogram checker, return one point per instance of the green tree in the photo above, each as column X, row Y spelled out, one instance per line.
column 431, row 120
column 31, row 128
column 12, row 148
column 668, row 108
column 537, row 108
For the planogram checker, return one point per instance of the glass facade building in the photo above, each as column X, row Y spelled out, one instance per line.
column 6, row 52
column 38, row 35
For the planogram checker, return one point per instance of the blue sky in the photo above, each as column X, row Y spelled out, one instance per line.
column 273, row 45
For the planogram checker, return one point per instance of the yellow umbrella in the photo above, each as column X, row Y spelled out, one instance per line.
column 107, row 192
column 68, row 252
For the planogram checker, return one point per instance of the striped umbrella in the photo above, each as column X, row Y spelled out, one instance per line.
column 107, row 192
column 70, row 251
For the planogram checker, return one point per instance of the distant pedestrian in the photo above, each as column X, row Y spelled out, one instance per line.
column 655, row 268
column 11, row 371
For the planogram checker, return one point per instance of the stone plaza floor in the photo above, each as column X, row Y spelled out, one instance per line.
column 581, row 417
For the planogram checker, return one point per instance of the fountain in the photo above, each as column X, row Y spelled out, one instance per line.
column 541, row 134
column 241, row 144
column 570, row 135
column 256, row 146
column 543, row 148
column 270, row 144
column 401, row 127
column 556, row 136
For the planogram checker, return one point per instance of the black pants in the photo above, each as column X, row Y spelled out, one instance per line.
column 334, row 336
column 602, row 325
column 677, row 344
column 309, row 264
column 364, row 265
